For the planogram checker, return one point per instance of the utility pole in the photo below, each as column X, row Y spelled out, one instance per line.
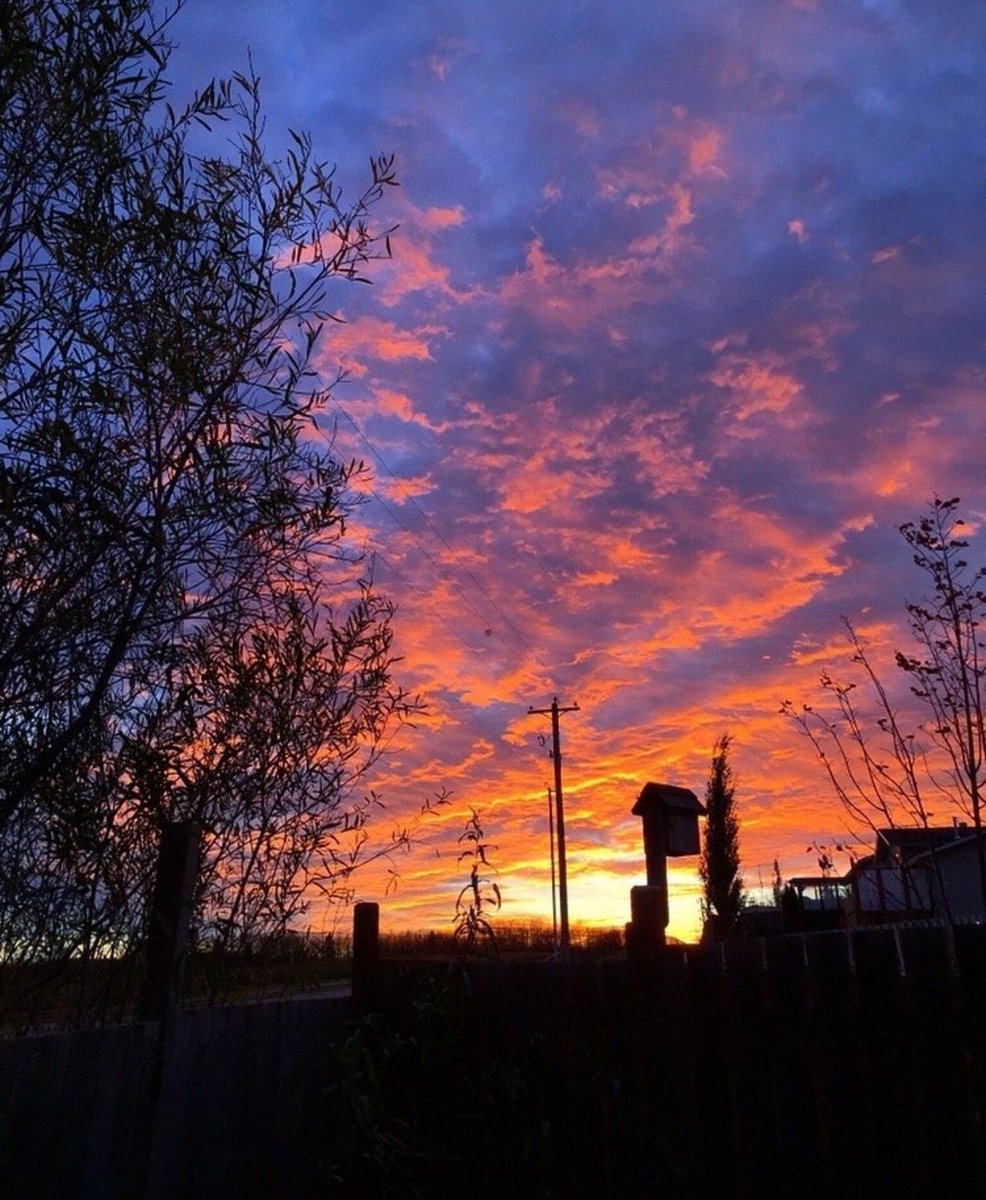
column 555, row 712
column 554, row 885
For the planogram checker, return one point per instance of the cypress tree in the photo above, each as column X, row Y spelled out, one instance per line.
column 722, row 889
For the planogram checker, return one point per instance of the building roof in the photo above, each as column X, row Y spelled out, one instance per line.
column 964, row 839
column 908, row 843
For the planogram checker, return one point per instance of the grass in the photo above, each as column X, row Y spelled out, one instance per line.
column 68, row 994
column 513, row 939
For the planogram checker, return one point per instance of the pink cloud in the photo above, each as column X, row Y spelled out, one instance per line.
column 416, row 265
column 757, row 385
column 351, row 343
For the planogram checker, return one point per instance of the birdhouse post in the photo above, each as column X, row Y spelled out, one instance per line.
column 670, row 818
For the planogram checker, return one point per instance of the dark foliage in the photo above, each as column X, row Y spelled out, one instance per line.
column 186, row 632
column 898, row 759
column 720, row 860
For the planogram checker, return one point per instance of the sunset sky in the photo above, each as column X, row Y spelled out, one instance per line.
column 686, row 315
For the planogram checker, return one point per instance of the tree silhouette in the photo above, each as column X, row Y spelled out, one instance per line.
column 885, row 771
column 185, row 629
column 719, row 864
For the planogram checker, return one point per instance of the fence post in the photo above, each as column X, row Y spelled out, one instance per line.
column 366, row 953
column 169, row 918
column 167, row 939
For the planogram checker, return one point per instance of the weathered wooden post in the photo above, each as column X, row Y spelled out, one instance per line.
column 366, row 953
column 179, row 853
column 670, row 819
column 169, row 919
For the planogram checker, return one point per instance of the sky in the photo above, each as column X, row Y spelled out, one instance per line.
column 686, row 315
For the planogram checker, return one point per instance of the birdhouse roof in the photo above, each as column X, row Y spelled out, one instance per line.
column 669, row 798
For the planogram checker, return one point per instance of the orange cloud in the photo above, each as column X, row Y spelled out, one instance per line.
column 352, row 343
column 757, row 385
column 704, row 146
column 416, row 265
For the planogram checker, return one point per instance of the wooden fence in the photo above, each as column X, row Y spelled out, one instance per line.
column 820, row 1066
column 234, row 1107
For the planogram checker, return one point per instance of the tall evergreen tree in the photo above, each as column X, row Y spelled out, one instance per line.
column 722, row 888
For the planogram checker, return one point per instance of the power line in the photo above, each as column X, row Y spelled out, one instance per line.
column 378, row 554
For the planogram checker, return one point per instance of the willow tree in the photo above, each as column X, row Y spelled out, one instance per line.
column 185, row 628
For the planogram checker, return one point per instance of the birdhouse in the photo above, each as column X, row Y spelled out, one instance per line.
column 670, row 815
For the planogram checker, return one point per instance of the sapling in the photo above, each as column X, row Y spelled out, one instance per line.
column 478, row 898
